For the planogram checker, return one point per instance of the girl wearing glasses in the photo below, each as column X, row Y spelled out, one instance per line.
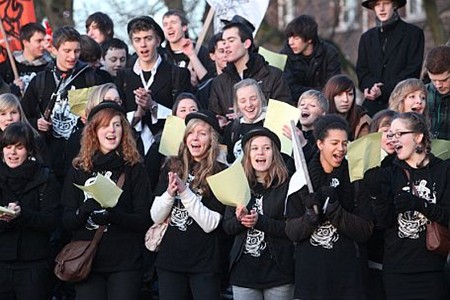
column 416, row 190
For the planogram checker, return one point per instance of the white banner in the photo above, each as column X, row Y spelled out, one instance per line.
column 252, row 10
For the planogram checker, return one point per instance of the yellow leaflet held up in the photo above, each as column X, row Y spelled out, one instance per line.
column 78, row 100
column 172, row 136
column 103, row 190
column 230, row 186
column 364, row 154
column 7, row 211
column 441, row 148
column 279, row 114
column 274, row 59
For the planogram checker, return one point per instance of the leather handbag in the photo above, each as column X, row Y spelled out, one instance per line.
column 74, row 261
column 437, row 236
column 155, row 234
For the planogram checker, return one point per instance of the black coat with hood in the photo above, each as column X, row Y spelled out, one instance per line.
column 270, row 78
column 304, row 73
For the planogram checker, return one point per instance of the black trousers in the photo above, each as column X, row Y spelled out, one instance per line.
column 178, row 286
column 25, row 281
column 110, row 286
column 415, row 286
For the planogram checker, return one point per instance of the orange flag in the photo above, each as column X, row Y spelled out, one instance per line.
column 14, row 14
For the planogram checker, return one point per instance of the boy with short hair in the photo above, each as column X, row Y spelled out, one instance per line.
column 32, row 59
column 311, row 61
column 437, row 65
column 244, row 62
column 66, row 73
column 114, row 56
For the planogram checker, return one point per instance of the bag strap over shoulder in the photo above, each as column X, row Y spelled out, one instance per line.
column 121, row 180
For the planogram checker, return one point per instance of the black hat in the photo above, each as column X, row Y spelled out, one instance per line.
column 204, row 115
column 261, row 131
column 150, row 22
column 369, row 3
column 105, row 104
column 237, row 19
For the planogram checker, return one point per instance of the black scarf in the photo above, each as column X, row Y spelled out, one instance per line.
column 16, row 179
column 110, row 161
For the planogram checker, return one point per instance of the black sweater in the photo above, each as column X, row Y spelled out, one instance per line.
column 331, row 260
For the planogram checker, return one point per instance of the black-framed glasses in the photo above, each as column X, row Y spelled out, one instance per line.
column 397, row 135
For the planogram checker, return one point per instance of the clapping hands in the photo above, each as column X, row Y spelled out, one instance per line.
column 176, row 185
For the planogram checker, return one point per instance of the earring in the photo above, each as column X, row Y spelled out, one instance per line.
column 419, row 149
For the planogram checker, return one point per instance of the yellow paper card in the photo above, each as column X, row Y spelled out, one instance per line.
column 78, row 100
column 103, row 190
column 279, row 114
column 274, row 59
column 172, row 136
column 441, row 148
column 230, row 186
column 364, row 154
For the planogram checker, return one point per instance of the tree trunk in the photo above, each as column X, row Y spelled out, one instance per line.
column 58, row 12
column 434, row 22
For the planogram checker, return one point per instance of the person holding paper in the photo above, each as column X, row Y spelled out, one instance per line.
column 185, row 103
column 341, row 93
column 261, row 259
column 329, row 226
column 190, row 255
column 415, row 191
column 249, row 104
column 108, row 148
column 31, row 194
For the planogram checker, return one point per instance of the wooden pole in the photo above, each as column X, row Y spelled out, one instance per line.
column 205, row 28
column 8, row 49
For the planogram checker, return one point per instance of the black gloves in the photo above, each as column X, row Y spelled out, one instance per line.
column 328, row 192
column 405, row 201
column 101, row 217
column 311, row 200
column 86, row 208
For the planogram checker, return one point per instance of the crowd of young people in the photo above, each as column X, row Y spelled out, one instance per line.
column 335, row 239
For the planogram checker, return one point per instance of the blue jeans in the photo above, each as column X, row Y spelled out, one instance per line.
column 282, row 292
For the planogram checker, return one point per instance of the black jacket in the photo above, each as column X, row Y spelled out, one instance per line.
column 26, row 238
column 270, row 78
column 401, row 59
column 272, row 222
column 306, row 73
column 122, row 244
column 35, row 101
